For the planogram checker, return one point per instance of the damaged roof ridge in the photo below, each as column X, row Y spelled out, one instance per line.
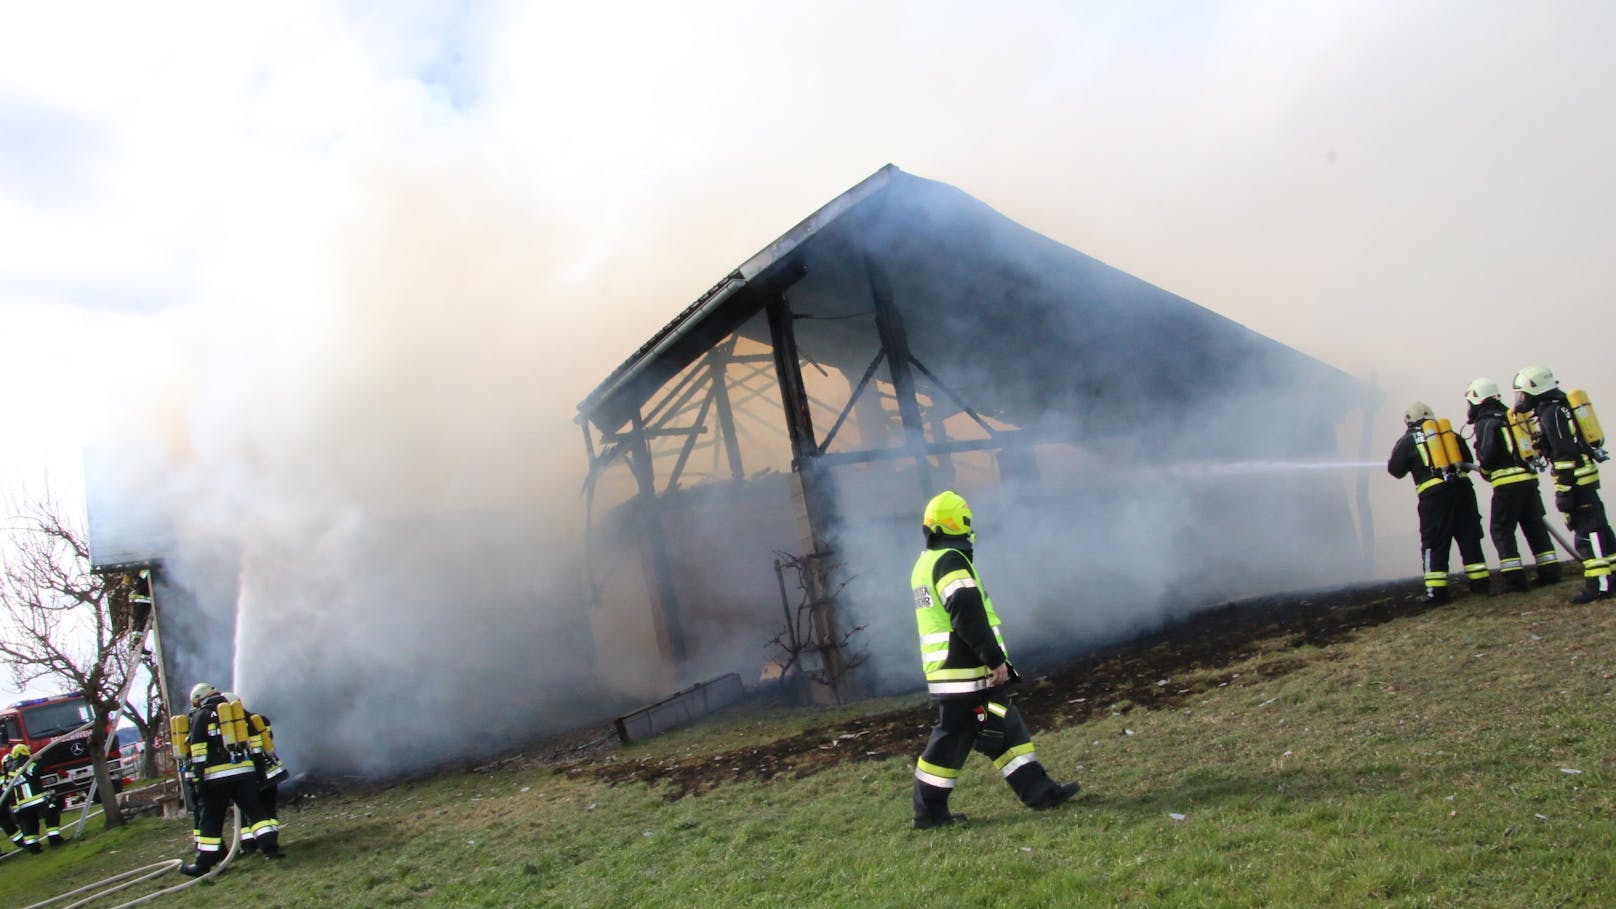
column 759, row 262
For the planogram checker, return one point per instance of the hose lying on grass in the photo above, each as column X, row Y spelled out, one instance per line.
column 126, row 879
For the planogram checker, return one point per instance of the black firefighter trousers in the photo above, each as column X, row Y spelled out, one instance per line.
column 217, row 796
column 1520, row 505
column 1584, row 514
column 1448, row 514
column 990, row 723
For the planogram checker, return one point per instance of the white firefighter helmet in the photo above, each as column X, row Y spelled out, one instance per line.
column 1418, row 413
column 201, row 691
column 1480, row 390
column 1535, row 380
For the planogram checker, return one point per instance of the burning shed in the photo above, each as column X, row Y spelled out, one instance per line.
column 1127, row 452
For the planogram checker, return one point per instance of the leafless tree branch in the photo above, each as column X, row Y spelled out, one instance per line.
column 59, row 620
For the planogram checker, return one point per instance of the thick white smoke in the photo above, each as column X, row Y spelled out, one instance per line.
column 382, row 252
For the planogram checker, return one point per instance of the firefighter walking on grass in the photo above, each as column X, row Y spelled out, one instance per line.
column 221, row 767
column 1504, row 453
column 1574, row 445
column 1434, row 455
column 968, row 674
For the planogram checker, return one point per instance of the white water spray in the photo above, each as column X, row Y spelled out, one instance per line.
column 1238, row 468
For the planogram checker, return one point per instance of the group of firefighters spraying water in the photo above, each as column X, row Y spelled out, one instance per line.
column 1546, row 430
column 226, row 757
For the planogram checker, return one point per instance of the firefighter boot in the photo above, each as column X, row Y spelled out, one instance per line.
column 1593, row 589
column 1037, row 791
column 204, row 861
column 1514, row 582
column 55, row 838
column 1434, row 595
column 931, row 807
column 1548, row 573
column 270, row 845
column 249, row 844
column 1482, row 586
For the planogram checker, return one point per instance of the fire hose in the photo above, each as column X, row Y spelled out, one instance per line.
column 1560, row 538
column 126, row 879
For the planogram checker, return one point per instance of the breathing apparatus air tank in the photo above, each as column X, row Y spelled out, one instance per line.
column 1587, row 420
column 1450, row 445
column 1523, row 428
column 179, row 730
column 226, row 712
column 1436, row 452
column 261, row 729
column 239, row 720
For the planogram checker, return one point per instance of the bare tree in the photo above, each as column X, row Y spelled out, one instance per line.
column 58, row 620
column 150, row 716
column 811, row 648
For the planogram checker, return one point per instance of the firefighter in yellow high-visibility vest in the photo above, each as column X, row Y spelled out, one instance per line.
column 31, row 805
column 968, row 674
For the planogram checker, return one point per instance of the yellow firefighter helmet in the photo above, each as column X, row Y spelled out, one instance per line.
column 1418, row 413
column 21, row 752
column 948, row 513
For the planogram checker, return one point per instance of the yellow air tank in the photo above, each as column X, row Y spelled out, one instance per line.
column 179, row 729
column 227, row 724
column 1587, row 421
column 1450, row 443
column 1436, row 452
column 261, row 729
column 1521, row 426
column 243, row 735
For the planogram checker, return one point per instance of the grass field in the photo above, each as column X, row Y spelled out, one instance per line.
column 1458, row 756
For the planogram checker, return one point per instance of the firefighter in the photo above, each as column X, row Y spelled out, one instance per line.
column 1575, row 460
column 1447, row 502
column 269, row 772
column 968, row 674
column 7, row 821
column 221, row 765
column 30, row 802
column 1516, row 500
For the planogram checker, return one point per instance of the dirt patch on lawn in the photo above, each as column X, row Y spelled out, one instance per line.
column 1155, row 672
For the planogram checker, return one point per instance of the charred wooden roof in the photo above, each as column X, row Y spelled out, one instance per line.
column 1029, row 329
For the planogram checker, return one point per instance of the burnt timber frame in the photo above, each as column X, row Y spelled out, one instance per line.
column 880, row 227
column 703, row 395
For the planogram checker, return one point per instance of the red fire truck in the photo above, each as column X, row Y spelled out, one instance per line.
column 57, row 731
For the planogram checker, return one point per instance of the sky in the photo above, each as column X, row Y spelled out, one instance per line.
column 297, row 241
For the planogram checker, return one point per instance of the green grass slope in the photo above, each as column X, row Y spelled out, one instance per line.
column 1458, row 756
